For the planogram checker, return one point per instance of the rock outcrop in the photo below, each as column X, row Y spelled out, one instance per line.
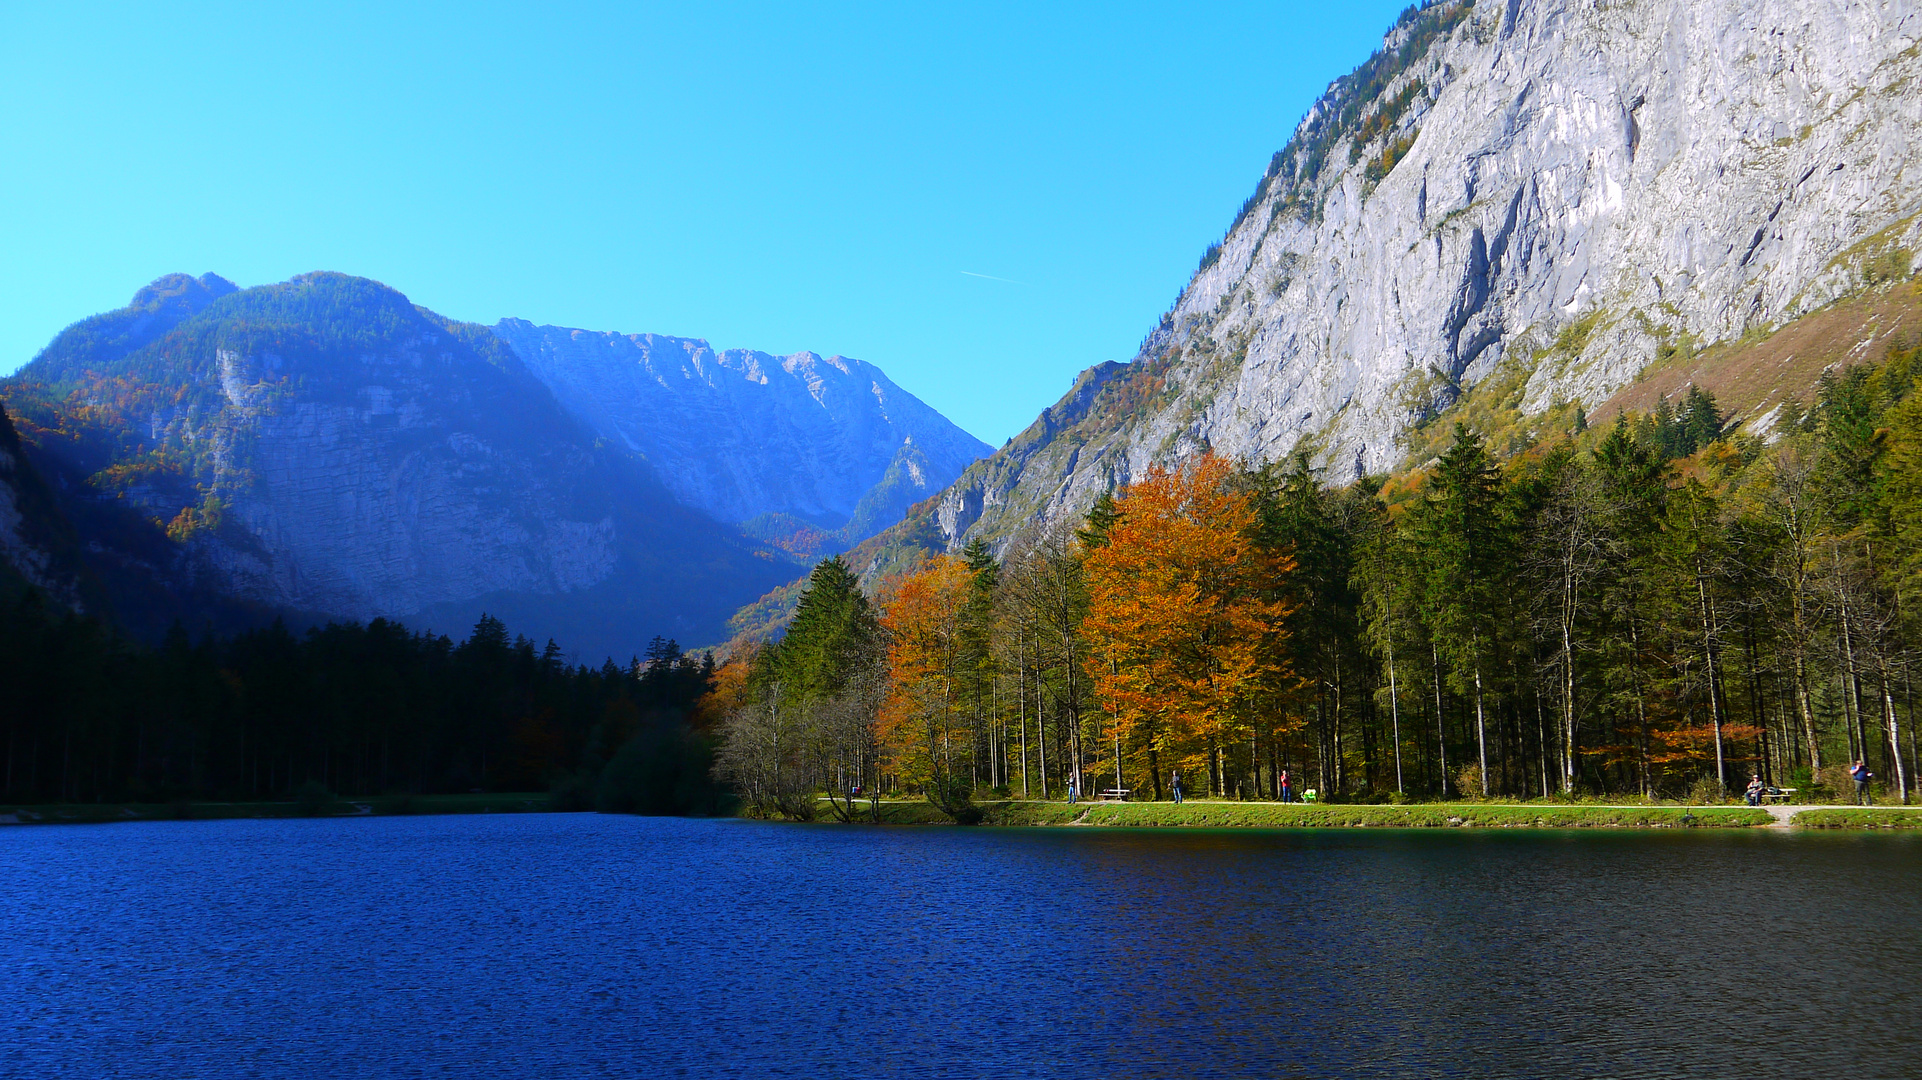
column 742, row 434
column 1557, row 192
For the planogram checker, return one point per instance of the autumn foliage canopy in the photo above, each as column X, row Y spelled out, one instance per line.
column 1185, row 615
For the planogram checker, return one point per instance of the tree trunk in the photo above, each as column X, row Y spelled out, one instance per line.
column 1441, row 730
column 1708, row 655
column 1394, row 715
column 1805, row 705
column 1895, row 733
column 1541, row 735
column 1481, row 730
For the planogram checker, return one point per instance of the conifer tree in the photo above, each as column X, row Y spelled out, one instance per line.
column 1462, row 530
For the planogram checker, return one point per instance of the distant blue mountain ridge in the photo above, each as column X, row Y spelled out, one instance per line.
column 323, row 448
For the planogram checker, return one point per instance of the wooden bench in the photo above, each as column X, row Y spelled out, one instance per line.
column 1115, row 793
column 1779, row 793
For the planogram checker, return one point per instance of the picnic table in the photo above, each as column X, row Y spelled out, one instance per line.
column 1778, row 793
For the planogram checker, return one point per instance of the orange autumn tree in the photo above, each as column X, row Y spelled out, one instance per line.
column 1185, row 634
column 922, row 726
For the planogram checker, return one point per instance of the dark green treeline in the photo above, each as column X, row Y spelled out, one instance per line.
column 358, row 709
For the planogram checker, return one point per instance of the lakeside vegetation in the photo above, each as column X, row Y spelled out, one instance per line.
column 1649, row 608
column 347, row 711
column 1232, row 814
column 1643, row 610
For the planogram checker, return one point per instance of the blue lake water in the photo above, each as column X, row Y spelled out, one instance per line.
column 584, row 945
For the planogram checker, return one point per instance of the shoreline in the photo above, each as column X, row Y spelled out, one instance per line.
column 210, row 810
column 1037, row 813
column 1196, row 813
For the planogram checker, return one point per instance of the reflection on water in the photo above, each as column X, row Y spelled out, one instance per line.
column 580, row 944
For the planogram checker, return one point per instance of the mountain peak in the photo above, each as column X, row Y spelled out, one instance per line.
column 181, row 294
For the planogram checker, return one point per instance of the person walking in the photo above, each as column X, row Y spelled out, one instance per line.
column 1073, row 790
column 1174, row 785
column 1755, row 790
column 1859, row 772
column 1287, row 790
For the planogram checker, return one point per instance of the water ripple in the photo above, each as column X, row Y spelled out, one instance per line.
column 544, row 945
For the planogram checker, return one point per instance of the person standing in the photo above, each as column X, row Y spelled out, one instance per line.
column 1859, row 772
column 1174, row 785
column 1287, row 789
column 1755, row 790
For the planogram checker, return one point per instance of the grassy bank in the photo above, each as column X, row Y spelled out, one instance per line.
column 1867, row 817
column 1208, row 814
column 388, row 805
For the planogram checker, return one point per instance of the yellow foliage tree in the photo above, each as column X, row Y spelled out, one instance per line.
column 1185, row 631
column 923, row 729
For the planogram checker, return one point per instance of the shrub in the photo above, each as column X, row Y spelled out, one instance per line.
column 1707, row 791
column 314, row 799
column 1468, row 782
column 665, row 771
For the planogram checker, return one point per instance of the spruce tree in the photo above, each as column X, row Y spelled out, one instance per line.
column 1462, row 526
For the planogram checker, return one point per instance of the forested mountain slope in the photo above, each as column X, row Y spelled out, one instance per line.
column 1546, row 195
column 827, row 441
column 324, row 446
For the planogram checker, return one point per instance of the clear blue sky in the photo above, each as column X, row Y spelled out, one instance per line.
column 779, row 177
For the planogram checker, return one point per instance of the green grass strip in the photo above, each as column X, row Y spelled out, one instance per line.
column 1867, row 817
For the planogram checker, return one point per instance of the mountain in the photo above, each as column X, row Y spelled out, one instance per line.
column 322, row 446
column 38, row 546
column 785, row 443
column 1523, row 206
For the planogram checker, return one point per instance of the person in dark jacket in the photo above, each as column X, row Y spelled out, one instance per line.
column 1174, row 785
column 1859, row 772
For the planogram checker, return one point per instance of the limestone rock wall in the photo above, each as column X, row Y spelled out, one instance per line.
column 1557, row 189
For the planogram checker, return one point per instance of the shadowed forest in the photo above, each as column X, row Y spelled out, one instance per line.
column 1649, row 608
column 346, row 709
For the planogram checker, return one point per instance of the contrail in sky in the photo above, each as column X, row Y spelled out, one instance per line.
column 991, row 277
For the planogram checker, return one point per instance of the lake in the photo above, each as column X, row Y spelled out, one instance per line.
column 580, row 944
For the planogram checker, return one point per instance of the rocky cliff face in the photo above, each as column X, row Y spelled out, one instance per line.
column 324, row 446
column 37, row 545
column 1555, row 192
column 742, row 434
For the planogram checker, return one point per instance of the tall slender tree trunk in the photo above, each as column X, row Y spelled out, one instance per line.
column 1641, row 707
column 1021, row 682
column 1041, row 735
column 1714, row 678
column 1860, row 733
column 1805, row 706
column 1541, row 735
column 1441, row 730
column 1571, row 605
column 1339, row 758
column 1568, row 710
column 1895, row 733
column 1481, row 727
column 1394, row 713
